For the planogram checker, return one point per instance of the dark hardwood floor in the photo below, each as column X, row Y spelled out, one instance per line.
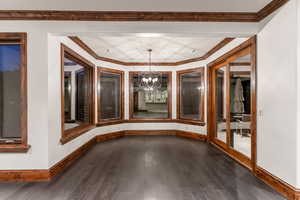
column 148, row 168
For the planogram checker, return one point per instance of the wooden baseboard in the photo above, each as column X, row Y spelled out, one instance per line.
column 191, row 135
column 70, row 159
column 24, row 175
column 150, row 132
column 277, row 184
column 185, row 134
column 235, row 155
column 47, row 174
column 109, row 136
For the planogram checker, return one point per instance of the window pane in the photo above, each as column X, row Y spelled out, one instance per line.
column 10, row 98
column 220, row 93
column 191, row 89
column 240, row 105
column 110, row 95
column 151, row 104
column 77, row 90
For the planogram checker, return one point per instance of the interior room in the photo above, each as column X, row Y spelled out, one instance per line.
column 149, row 101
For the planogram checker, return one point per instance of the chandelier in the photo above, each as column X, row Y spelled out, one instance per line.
column 149, row 80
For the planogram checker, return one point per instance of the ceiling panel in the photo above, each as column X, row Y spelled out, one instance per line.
column 165, row 48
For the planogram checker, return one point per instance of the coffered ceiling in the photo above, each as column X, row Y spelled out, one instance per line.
column 165, row 48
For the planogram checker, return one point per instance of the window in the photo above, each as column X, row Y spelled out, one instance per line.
column 13, row 95
column 77, row 94
column 110, row 96
column 190, row 95
column 151, row 105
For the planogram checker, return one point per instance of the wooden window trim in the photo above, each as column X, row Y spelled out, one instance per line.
column 200, row 122
column 70, row 134
column 106, row 122
column 248, row 46
column 145, row 120
column 21, row 145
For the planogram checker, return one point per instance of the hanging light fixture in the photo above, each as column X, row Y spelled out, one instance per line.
column 149, row 80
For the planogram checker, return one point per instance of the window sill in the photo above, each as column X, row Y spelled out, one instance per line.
column 191, row 122
column 14, row 148
column 110, row 122
column 73, row 133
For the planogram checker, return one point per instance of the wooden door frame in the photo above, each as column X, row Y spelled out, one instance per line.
column 226, row 58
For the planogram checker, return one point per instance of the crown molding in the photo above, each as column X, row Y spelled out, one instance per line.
column 270, row 8
column 84, row 46
column 59, row 15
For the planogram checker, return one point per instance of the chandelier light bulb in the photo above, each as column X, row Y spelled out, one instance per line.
column 149, row 80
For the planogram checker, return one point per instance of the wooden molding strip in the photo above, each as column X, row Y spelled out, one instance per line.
column 191, row 135
column 71, row 158
column 180, row 121
column 242, row 46
column 216, row 48
column 277, row 184
column 240, row 64
column 150, row 132
column 109, row 136
column 270, row 8
column 24, row 175
column 84, row 46
column 59, row 15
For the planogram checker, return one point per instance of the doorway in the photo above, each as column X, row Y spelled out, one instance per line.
column 232, row 103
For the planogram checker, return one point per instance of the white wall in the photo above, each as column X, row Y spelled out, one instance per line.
column 44, row 80
column 277, row 131
column 298, row 93
column 56, row 151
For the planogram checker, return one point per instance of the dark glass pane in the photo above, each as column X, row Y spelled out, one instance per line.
column 10, row 78
column 151, row 104
column 191, row 89
column 110, row 94
column 77, row 90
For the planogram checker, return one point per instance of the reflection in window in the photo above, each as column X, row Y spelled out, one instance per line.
column 109, row 91
column 151, row 104
column 77, row 93
column 10, row 92
column 220, row 95
column 191, row 94
column 240, row 104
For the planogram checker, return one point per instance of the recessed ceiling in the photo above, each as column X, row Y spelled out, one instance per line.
column 138, row 5
column 165, row 48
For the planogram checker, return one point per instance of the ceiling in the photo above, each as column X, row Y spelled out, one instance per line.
column 164, row 48
column 138, row 5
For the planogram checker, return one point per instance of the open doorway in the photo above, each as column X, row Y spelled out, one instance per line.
column 232, row 116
